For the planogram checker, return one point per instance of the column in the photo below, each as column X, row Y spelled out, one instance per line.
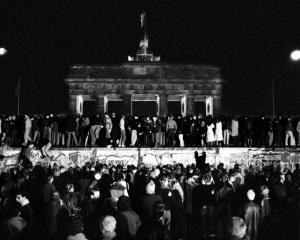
column 157, row 105
column 190, row 104
column 163, row 108
column 79, row 104
column 183, row 105
column 72, row 103
column 127, row 103
column 209, row 105
column 218, row 105
column 100, row 104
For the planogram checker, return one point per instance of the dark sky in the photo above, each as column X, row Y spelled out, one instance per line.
column 250, row 41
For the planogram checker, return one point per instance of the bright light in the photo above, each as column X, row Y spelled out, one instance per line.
column 295, row 55
column 97, row 176
column 3, row 51
column 130, row 59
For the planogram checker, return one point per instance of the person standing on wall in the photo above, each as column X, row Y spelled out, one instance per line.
column 171, row 128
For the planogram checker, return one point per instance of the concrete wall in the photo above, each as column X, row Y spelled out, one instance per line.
column 229, row 156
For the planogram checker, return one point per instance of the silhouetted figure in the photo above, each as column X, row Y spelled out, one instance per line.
column 200, row 160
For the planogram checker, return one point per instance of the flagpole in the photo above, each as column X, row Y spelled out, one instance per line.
column 19, row 90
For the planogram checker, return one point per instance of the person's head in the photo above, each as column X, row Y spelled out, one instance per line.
column 164, row 181
column 158, row 210
column 264, row 190
column 288, row 178
column 224, row 177
column 220, row 166
column 236, row 228
column 21, row 196
column 207, row 179
column 150, row 188
column 250, row 195
column 232, row 177
column 124, row 203
column 55, row 196
column 107, row 224
column 70, row 187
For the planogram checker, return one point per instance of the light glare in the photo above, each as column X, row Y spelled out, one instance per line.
column 295, row 55
column 3, row 51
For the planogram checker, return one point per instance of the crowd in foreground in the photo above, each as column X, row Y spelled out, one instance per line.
column 145, row 131
column 154, row 203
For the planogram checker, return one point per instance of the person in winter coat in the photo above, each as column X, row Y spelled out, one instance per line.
column 75, row 228
column 251, row 216
column 265, row 203
column 278, row 132
column 12, row 227
column 71, row 199
column 128, row 221
column 203, row 205
column 108, row 228
column 155, row 229
column 156, row 131
column 26, row 211
column 166, row 194
column 48, row 189
column 71, row 130
column 178, row 217
column 147, row 203
column 122, row 125
column 27, row 132
column 289, row 136
column 52, row 210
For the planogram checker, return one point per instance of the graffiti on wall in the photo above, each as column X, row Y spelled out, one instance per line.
column 131, row 156
column 73, row 158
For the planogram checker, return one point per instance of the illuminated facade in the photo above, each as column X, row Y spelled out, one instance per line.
column 145, row 86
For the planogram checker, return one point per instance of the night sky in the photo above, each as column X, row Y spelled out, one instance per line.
column 250, row 41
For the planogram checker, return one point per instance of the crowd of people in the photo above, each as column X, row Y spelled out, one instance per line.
column 166, row 202
column 145, row 131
